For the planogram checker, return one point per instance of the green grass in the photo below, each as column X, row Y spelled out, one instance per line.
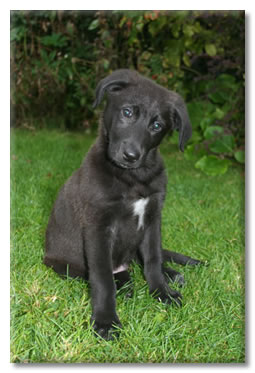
column 203, row 217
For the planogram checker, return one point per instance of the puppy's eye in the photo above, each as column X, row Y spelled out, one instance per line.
column 127, row 113
column 156, row 127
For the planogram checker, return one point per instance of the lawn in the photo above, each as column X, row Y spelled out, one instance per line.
column 203, row 217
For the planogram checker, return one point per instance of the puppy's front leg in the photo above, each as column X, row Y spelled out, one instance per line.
column 151, row 252
column 103, row 288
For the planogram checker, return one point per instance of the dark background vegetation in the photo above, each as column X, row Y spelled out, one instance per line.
column 57, row 58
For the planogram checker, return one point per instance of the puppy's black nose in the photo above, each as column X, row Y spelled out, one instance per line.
column 131, row 155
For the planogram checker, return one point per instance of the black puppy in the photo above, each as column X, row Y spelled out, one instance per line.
column 109, row 211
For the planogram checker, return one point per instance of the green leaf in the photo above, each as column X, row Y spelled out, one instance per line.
column 17, row 33
column 174, row 60
column 211, row 49
column 219, row 114
column 94, row 24
column 156, row 26
column 193, row 152
column 176, row 29
column 227, row 80
column 106, row 64
column 83, row 101
column 212, row 165
column 224, row 144
column 217, row 97
column 240, row 156
column 173, row 53
column 188, row 30
column 222, row 88
column 122, row 21
column 199, row 110
column 212, row 131
column 186, row 60
column 44, row 55
column 54, row 40
column 206, row 122
column 146, row 55
column 196, row 137
column 139, row 26
column 52, row 55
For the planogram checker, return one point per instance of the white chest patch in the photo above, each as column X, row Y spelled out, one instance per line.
column 139, row 210
column 121, row 268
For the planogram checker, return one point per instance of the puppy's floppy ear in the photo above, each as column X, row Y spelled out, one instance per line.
column 115, row 82
column 180, row 119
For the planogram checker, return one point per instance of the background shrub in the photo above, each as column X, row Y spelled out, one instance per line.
column 58, row 57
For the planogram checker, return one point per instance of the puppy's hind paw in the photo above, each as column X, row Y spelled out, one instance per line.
column 169, row 296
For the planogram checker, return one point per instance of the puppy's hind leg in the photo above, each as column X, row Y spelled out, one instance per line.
column 64, row 250
column 171, row 256
column 173, row 275
column 65, row 269
column 124, row 283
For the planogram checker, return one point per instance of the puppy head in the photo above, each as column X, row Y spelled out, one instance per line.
column 137, row 116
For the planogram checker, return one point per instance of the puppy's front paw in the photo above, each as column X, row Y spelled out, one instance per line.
column 106, row 331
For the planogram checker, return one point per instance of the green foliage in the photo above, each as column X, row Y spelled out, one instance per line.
column 218, row 126
column 212, row 165
column 240, row 156
column 59, row 56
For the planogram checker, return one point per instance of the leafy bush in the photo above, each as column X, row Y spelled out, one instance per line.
column 59, row 56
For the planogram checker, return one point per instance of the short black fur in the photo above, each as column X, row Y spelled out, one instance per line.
column 109, row 211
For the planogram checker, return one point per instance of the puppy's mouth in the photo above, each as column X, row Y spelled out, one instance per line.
column 124, row 165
